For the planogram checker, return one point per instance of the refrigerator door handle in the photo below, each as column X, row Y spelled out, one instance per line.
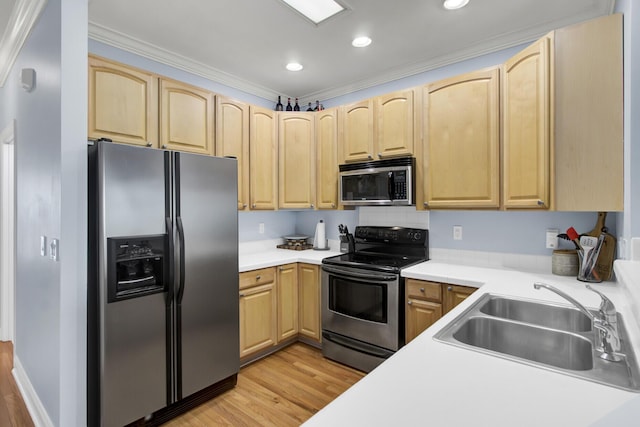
column 170, row 265
column 182, row 258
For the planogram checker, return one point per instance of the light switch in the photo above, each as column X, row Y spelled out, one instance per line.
column 457, row 232
column 43, row 245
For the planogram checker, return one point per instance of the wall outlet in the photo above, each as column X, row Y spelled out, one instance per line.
column 261, row 228
column 552, row 238
column 457, row 232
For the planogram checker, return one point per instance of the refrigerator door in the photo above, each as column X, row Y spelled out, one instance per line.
column 207, row 286
column 131, row 202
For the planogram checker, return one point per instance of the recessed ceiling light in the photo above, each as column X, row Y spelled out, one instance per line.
column 316, row 10
column 361, row 41
column 454, row 4
column 294, row 66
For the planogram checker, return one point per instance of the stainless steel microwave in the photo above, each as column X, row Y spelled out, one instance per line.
column 387, row 182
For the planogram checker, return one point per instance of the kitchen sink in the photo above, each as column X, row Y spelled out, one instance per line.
column 550, row 315
column 545, row 335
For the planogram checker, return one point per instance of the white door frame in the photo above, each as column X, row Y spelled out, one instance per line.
column 7, row 232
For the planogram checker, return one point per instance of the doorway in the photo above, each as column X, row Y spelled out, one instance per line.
column 7, row 232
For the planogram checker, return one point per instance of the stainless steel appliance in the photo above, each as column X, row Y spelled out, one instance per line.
column 378, row 183
column 163, row 332
column 363, row 295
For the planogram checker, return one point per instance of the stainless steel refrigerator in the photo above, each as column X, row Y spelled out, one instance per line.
column 163, row 328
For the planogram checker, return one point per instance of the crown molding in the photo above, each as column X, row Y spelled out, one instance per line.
column 150, row 51
column 23, row 17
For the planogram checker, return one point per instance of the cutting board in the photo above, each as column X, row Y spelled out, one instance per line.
column 604, row 265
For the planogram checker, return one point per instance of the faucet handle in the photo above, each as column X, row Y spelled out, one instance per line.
column 607, row 308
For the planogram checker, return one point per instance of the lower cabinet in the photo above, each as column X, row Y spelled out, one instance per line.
column 428, row 302
column 278, row 304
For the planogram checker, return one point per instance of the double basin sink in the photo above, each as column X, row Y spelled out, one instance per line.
column 556, row 337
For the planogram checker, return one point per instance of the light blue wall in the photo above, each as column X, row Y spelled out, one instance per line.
column 50, row 306
column 307, row 221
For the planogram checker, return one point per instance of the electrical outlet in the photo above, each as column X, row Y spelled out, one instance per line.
column 457, row 232
column 552, row 238
column 261, row 228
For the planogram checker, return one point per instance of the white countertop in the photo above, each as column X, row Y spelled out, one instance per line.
column 248, row 261
column 433, row 383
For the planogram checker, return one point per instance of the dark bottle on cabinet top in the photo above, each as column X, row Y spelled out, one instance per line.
column 296, row 107
column 279, row 105
column 317, row 106
column 289, row 105
column 309, row 108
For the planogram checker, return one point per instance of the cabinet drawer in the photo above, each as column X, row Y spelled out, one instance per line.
column 424, row 290
column 257, row 277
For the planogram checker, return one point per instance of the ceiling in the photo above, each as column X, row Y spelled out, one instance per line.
column 246, row 44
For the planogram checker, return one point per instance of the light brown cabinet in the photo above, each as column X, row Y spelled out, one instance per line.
column 429, row 301
column 232, row 139
column 296, row 153
column 395, row 124
column 263, row 159
column 327, row 159
column 123, row 103
column 356, row 128
column 527, row 135
column 309, row 299
column 258, row 305
column 461, row 153
column 186, row 117
column 287, row 293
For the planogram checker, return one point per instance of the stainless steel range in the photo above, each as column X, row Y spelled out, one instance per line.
column 363, row 295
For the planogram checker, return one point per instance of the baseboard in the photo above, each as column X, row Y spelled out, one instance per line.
column 37, row 411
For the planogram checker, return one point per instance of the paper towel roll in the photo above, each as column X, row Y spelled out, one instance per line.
column 320, row 240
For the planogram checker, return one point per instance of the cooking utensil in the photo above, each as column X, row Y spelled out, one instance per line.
column 574, row 237
column 604, row 262
column 589, row 254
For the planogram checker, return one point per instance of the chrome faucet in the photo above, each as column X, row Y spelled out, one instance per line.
column 605, row 321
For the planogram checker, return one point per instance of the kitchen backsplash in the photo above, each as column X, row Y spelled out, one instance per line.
column 403, row 216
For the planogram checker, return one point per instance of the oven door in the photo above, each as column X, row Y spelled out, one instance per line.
column 362, row 304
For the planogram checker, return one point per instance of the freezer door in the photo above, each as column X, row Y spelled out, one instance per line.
column 133, row 358
column 207, row 293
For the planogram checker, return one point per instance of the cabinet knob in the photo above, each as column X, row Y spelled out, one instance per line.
column 540, row 203
column 379, row 155
column 281, row 268
column 422, row 290
column 253, row 206
column 244, row 205
column 164, row 146
column 409, row 302
column 449, row 288
column 149, row 144
column 426, row 203
column 258, row 277
column 242, row 294
column 333, row 205
column 370, row 157
column 312, row 206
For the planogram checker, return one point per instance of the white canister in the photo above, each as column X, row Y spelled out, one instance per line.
column 320, row 239
column 564, row 262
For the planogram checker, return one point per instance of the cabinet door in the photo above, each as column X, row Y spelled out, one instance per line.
column 287, row 282
column 395, row 124
column 232, row 139
column 296, row 153
column 357, row 131
column 263, row 159
column 527, row 128
column 454, row 295
column 589, row 112
column 186, row 117
column 420, row 315
column 123, row 103
column 462, row 144
column 309, row 288
column 327, row 159
column 257, row 318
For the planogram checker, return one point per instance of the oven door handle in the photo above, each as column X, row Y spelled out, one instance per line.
column 374, row 277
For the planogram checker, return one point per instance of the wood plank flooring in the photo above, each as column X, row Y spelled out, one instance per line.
column 283, row 389
column 13, row 412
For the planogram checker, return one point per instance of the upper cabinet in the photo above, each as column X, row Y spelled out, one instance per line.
column 123, row 103
column 263, row 158
column 186, row 117
column 589, row 116
column 527, row 133
column 327, row 159
column 296, row 154
column 232, row 139
column 395, row 124
column 461, row 153
column 357, row 131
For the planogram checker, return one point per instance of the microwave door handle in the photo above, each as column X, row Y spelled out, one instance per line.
column 391, row 185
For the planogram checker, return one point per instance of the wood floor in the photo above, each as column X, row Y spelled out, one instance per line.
column 283, row 389
column 13, row 412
